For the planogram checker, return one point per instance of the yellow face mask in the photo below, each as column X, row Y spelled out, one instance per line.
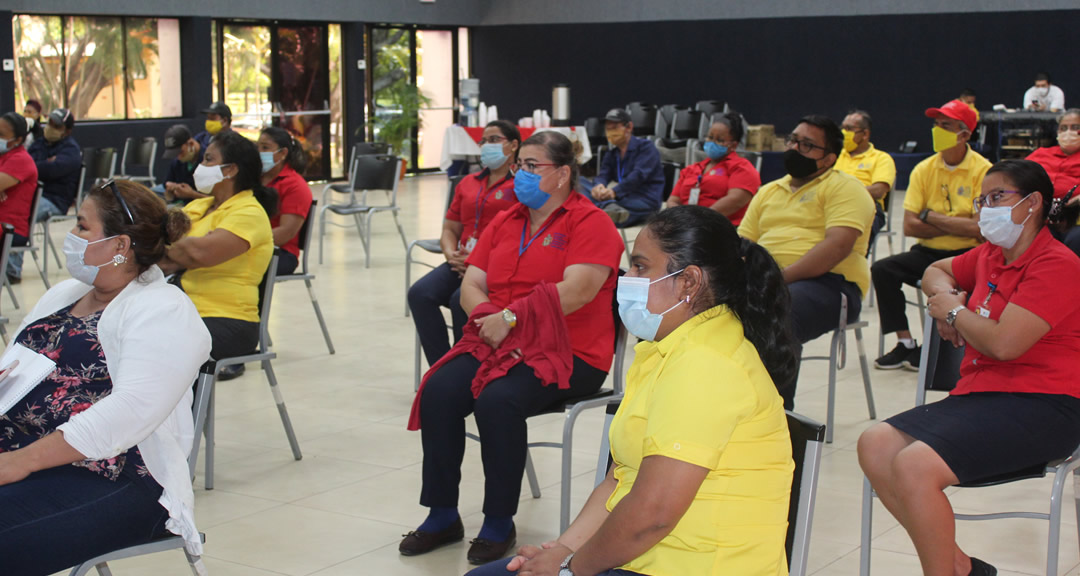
column 213, row 127
column 849, row 140
column 943, row 139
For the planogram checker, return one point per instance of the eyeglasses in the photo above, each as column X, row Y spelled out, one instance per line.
column 493, row 140
column 992, row 199
column 111, row 184
column 948, row 198
column 804, row 146
column 1068, row 127
column 530, row 166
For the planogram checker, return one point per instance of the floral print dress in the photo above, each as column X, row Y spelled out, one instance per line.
column 81, row 378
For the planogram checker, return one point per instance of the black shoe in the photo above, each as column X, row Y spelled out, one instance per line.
column 895, row 359
column 13, row 280
column 420, row 542
column 913, row 358
column 980, row 568
column 230, row 372
column 483, row 551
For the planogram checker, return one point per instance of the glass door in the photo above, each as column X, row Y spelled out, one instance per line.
column 245, row 87
column 435, row 77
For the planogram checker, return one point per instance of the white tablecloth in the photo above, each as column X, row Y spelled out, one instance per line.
column 458, row 145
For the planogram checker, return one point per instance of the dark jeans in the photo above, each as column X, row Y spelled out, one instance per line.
column 498, row 568
column 500, row 412
column 57, row 518
column 815, row 305
column 1072, row 239
column 286, row 263
column 440, row 288
column 889, row 276
column 230, row 337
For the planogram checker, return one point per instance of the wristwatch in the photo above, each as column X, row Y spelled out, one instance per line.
column 564, row 568
column 924, row 214
column 509, row 317
column 950, row 318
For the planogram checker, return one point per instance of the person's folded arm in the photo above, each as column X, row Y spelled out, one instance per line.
column 67, row 160
column 966, row 226
column 734, row 201
column 580, row 284
column 916, row 228
column 838, row 243
column 938, row 278
column 287, row 229
column 1005, row 339
column 878, row 190
column 474, row 289
column 216, row 247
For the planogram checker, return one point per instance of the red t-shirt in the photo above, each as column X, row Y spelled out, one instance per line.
column 1042, row 281
column 1063, row 169
column 15, row 210
column 732, row 171
column 577, row 233
column 473, row 198
column 294, row 197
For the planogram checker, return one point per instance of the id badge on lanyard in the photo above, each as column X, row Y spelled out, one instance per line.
column 471, row 244
column 695, row 193
column 984, row 309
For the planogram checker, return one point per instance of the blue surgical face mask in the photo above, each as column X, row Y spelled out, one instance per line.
column 715, row 151
column 267, row 161
column 633, row 297
column 4, row 147
column 491, row 156
column 527, row 189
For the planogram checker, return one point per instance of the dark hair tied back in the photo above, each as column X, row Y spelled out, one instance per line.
column 241, row 152
column 295, row 157
column 155, row 225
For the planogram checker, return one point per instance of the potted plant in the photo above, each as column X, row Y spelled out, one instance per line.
column 395, row 122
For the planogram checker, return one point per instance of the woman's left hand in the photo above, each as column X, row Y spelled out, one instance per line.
column 545, row 562
column 939, row 305
column 12, row 468
column 493, row 329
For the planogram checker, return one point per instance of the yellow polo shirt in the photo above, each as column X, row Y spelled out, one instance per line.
column 947, row 190
column 870, row 167
column 702, row 396
column 230, row 289
column 788, row 224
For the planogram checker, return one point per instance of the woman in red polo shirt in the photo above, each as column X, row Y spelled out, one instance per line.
column 18, row 177
column 725, row 181
column 282, row 162
column 1017, row 403
column 1062, row 163
column 554, row 236
column 478, row 198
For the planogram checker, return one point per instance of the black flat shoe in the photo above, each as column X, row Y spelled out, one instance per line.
column 230, row 372
column 980, row 568
column 483, row 551
column 421, row 542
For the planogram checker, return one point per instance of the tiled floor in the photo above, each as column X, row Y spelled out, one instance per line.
column 342, row 509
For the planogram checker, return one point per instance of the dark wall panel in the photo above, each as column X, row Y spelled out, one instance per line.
column 776, row 70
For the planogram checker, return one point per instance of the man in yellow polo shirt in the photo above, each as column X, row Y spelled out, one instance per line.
column 816, row 223
column 939, row 211
column 871, row 167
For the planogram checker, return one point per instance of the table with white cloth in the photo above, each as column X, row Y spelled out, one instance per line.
column 460, row 142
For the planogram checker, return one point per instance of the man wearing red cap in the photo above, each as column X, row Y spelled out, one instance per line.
column 938, row 210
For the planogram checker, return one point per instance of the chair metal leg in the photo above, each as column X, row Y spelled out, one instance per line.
column 367, row 239
column 864, row 365
column 567, row 463
column 867, row 521
column 416, row 384
column 280, row 401
column 873, row 258
column 1076, row 492
column 319, row 316
column 11, row 292
column 530, row 473
column 401, row 231
column 44, row 271
column 322, row 231
column 834, row 349
column 1054, row 540
column 408, row 278
column 208, row 472
column 605, row 449
column 922, row 309
column 103, row 569
column 49, row 242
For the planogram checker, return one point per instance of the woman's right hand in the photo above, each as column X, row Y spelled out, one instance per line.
column 950, row 334
column 456, row 260
column 493, row 329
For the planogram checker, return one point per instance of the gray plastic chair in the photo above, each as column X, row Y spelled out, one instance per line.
column 939, row 369
column 306, row 275
column 140, row 156
column 32, row 247
column 369, row 173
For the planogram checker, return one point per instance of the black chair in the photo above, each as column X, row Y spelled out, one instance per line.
column 665, row 118
column 644, row 119
column 46, row 225
column 370, row 172
column 806, row 445
column 305, row 273
column 140, row 156
column 594, row 129
column 939, row 370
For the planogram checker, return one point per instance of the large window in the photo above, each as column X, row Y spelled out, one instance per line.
column 80, row 62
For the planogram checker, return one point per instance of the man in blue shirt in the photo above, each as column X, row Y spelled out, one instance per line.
column 59, row 162
column 630, row 182
column 218, row 120
column 186, row 154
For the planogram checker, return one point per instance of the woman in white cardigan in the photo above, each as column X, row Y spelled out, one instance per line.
column 94, row 458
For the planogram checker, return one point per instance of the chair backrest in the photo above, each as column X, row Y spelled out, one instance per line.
column 665, row 117
column 204, row 386
column 33, row 214
column 89, row 153
column 266, row 297
column 371, row 148
column 305, row 236
column 807, row 439
column 939, row 366
column 100, row 163
column 146, row 152
column 82, row 186
column 644, row 119
column 452, row 188
column 594, row 129
column 710, row 107
column 376, row 172
column 686, row 125
column 127, row 156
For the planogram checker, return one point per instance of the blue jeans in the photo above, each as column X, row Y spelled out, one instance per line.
column 438, row 289
column 15, row 260
column 57, row 518
column 498, row 568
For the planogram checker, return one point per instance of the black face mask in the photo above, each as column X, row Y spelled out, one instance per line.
column 797, row 165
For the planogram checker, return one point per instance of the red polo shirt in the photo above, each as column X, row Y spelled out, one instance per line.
column 1042, row 281
column 474, row 200
column 732, row 171
column 294, row 197
column 15, row 210
column 577, row 233
column 1063, row 169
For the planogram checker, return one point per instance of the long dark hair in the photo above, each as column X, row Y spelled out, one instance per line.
column 739, row 274
column 296, row 158
column 1029, row 177
column 241, row 152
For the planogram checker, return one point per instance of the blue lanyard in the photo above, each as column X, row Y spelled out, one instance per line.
column 618, row 165
column 992, row 287
column 522, row 247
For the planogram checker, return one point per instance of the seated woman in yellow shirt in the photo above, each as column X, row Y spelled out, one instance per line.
column 228, row 249
column 702, row 469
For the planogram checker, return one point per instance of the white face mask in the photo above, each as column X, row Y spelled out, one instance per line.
column 996, row 225
column 1069, row 141
column 1042, row 92
column 206, row 177
column 75, row 254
